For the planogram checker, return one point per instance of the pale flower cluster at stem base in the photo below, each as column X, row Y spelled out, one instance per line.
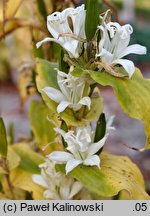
column 57, row 186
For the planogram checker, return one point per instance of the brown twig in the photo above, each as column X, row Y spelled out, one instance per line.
column 71, row 35
column 19, row 23
column 134, row 148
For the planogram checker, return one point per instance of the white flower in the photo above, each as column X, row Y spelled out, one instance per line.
column 81, row 147
column 70, row 93
column 113, row 46
column 58, row 185
column 69, row 37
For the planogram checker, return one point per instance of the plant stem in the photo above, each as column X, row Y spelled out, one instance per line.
column 6, row 168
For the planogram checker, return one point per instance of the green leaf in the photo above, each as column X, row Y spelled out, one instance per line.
column 37, row 53
column 92, row 18
column 96, row 109
column 87, row 116
column 42, row 8
column 11, row 133
column 100, row 128
column 47, row 76
column 133, row 95
column 41, row 127
column 63, row 66
column 65, row 128
column 29, row 159
column 69, row 117
column 117, row 173
column 2, row 171
column 83, row 73
column 3, row 139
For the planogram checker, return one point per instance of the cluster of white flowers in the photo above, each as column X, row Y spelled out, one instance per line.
column 81, row 147
column 112, row 47
column 58, row 186
column 68, row 30
column 65, row 34
column 70, row 93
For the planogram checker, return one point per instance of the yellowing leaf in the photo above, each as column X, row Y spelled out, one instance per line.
column 41, row 127
column 25, row 85
column 13, row 158
column 117, row 173
column 23, row 180
column 11, row 7
column 133, row 95
column 29, row 159
column 3, row 197
column 13, row 24
column 96, row 109
column 21, row 177
column 9, row 27
column 123, row 174
column 46, row 74
column 2, row 171
column 12, row 192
